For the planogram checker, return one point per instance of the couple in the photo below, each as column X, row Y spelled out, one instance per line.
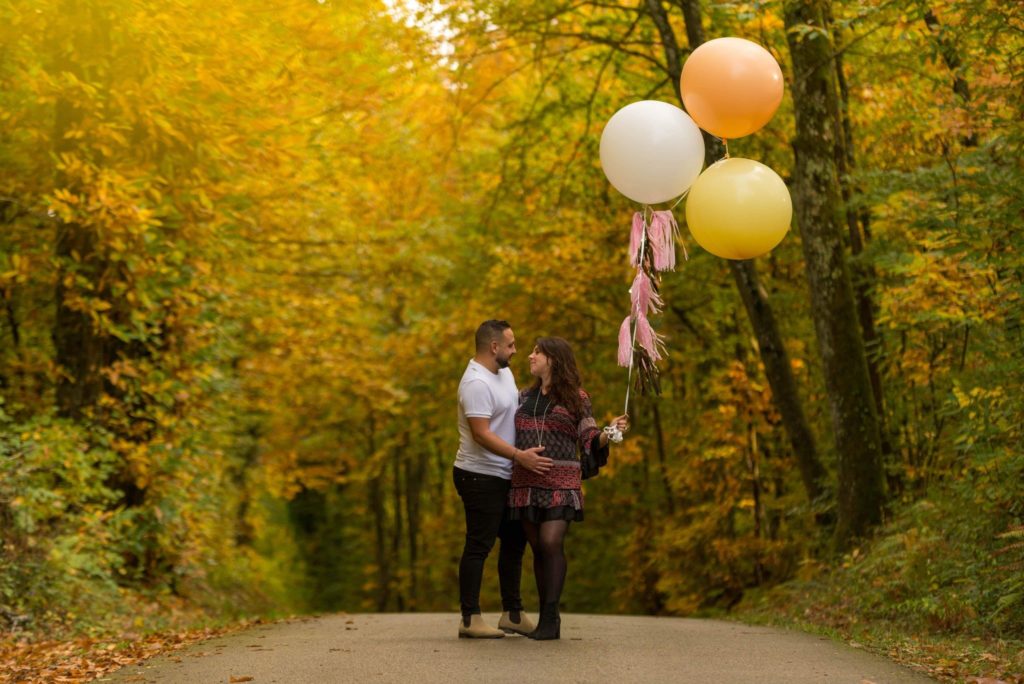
column 518, row 474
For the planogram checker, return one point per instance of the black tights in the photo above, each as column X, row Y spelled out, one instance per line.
column 549, row 565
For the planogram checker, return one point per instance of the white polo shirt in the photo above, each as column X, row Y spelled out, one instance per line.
column 483, row 394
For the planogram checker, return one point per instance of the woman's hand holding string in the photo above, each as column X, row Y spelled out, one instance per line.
column 615, row 430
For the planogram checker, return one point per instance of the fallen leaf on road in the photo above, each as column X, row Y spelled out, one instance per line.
column 29, row 660
column 240, row 678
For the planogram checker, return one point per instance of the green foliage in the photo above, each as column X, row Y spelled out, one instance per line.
column 76, row 553
column 60, row 555
column 1010, row 605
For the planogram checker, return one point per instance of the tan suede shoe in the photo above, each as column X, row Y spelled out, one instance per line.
column 524, row 626
column 478, row 629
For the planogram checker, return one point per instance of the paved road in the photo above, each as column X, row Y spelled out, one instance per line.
column 423, row 648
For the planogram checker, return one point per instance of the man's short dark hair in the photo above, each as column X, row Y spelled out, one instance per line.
column 489, row 331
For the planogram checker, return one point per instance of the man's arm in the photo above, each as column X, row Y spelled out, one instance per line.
column 528, row 458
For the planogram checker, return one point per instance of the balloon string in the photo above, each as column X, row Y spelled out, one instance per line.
column 726, row 143
column 681, row 198
column 633, row 313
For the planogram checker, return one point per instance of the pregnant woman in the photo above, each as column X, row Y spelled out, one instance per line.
column 554, row 413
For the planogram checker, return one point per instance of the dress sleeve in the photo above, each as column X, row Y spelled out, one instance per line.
column 589, row 434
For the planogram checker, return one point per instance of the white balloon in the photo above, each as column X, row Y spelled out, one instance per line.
column 651, row 151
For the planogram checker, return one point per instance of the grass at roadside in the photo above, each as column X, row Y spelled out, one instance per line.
column 819, row 608
column 936, row 589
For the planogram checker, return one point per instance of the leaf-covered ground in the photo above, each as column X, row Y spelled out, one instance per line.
column 85, row 659
column 38, row 656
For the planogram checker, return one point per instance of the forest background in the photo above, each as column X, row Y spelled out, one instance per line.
column 243, row 251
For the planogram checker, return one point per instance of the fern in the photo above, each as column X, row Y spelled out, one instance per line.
column 1013, row 586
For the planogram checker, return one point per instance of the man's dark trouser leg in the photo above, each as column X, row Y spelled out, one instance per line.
column 510, row 563
column 483, row 499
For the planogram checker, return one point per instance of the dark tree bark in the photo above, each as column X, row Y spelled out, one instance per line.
column 659, row 434
column 858, row 225
column 951, row 57
column 380, row 536
column 754, row 468
column 376, row 495
column 78, row 346
column 397, row 530
column 778, row 369
column 779, row 372
column 669, row 44
column 819, row 211
column 413, row 489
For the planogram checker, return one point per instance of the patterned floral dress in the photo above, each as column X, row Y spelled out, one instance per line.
column 556, row 495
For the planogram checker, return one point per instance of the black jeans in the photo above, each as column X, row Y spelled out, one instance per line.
column 483, row 498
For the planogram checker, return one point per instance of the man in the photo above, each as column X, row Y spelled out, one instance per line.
column 488, row 400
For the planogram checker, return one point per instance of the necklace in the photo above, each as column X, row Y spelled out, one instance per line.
column 540, row 433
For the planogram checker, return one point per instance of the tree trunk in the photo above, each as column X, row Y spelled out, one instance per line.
column 857, row 224
column 413, row 487
column 376, row 496
column 659, row 434
column 396, row 531
column 819, row 211
column 78, row 345
column 950, row 55
column 778, row 369
column 754, row 468
column 669, row 44
column 381, row 552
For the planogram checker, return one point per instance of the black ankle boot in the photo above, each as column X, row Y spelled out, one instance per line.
column 549, row 626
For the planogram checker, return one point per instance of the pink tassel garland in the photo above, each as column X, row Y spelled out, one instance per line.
column 635, row 237
column 656, row 238
column 643, row 295
column 656, row 241
column 625, row 343
column 663, row 233
column 648, row 339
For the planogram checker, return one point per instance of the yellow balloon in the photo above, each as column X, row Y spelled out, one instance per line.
column 738, row 209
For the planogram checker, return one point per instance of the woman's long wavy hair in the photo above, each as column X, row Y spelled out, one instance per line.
column 565, row 376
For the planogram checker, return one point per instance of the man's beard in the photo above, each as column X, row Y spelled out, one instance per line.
column 502, row 363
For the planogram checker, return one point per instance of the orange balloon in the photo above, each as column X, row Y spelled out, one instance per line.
column 731, row 87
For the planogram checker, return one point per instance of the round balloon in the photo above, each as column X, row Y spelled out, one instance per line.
column 731, row 86
column 738, row 209
column 651, row 151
